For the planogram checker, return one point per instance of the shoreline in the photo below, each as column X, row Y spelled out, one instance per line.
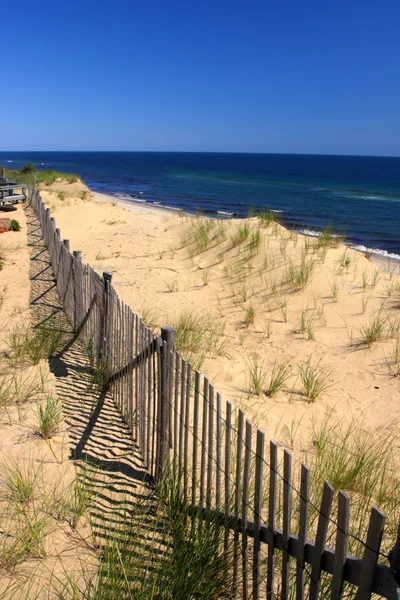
column 132, row 206
column 376, row 257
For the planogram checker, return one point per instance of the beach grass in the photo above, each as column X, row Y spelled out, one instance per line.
column 32, row 345
column 256, row 377
column 372, row 331
column 50, row 417
column 199, row 335
column 279, row 376
column 45, row 177
column 315, row 380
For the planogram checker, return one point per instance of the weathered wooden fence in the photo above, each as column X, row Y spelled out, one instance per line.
column 177, row 418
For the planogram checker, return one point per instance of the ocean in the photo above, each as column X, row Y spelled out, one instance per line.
column 359, row 196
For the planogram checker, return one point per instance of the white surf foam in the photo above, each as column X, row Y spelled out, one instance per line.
column 376, row 252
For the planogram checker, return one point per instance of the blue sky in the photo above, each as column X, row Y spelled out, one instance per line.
column 252, row 76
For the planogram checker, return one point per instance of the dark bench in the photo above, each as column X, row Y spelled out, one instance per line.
column 8, row 195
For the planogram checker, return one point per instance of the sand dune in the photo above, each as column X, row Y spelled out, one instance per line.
column 278, row 297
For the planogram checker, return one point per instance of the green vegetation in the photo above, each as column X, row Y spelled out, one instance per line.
column 25, row 541
column 359, row 461
column 31, row 345
column 334, row 289
column 28, row 172
column 307, row 323
column 202, row 233
column 76, row 499
column 198, row 336
column 345, row 259
column 328, row 239
column 255, row 242
column 180, row 556
column 241, row 234
column 256, row 378
column 20, row 389
column 20, row 483
column 151, row 317
column 49, row 417
column 315, row 382
column 249, row 316
column 373, row 330
column 15, row 226
column 267, row 218
column 279, row 375
column 299, row 276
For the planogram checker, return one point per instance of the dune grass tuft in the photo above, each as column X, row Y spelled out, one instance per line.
column 373, row 330
column 32, row 345
column 198, row 336
column 50, row 417
column 241, row 234
column 315, row 381
column 278, row 378
column 20, row 482
column 256, row 377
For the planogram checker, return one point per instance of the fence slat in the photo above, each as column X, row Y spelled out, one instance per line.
column 132, row 387
column 323, row 521
column 303, row 528
column 341, row 545
column 371, row 554
column 210, row 448
column 287, row 509
column 238, row 494
column 150, row 433
column 227, row 469
column 186, row 444
column 137, row 408
column 154, row 402
column 218, row 448
column 176, row 409
column 143, row 389
column 273, row 470
column 157, row 464
column 204, row 442
column 245, row 509
column 195, row 434
column 258, row 479
column 182, row 416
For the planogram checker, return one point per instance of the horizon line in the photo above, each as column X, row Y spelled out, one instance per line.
column 209, row 152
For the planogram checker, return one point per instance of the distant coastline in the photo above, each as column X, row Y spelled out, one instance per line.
column 359, row 196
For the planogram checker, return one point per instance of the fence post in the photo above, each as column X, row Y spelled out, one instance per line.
column 168, row 336
column 104, row 322
column 77, row 254
column 66, row 244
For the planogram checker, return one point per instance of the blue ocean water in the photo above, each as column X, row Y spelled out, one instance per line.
column 359, row 196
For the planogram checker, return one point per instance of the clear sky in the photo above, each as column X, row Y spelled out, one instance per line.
column 307, row 76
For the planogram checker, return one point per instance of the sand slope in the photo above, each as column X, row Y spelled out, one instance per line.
column 161, row 273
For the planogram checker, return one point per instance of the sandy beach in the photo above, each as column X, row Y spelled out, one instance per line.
column 272, row 298
column 36, row 545
column 252, row 302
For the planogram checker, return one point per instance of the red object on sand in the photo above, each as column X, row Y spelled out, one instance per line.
column 5, row 225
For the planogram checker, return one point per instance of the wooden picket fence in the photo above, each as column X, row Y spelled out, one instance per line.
column 178, row 420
